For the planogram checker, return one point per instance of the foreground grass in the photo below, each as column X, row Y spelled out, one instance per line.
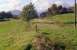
column 13, row 34
column 10, row 26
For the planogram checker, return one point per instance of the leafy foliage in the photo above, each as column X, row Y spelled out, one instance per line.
column 28, row 12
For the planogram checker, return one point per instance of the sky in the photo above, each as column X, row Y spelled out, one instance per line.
column 40, row 5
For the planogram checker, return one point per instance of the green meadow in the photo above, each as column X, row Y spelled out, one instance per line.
column 15, row 34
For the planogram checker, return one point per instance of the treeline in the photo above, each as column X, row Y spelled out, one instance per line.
column 7, row 15
column 54, row 10
column 29, row 11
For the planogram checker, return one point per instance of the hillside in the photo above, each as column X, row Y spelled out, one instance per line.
column 15, row 34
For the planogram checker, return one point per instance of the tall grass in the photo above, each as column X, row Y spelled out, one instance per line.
column 15, row 36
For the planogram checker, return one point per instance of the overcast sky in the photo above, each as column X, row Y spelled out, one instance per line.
column 40, row 5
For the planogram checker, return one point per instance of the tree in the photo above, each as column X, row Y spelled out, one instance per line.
column 59, row 9
column 54, row 9
column 29, row 12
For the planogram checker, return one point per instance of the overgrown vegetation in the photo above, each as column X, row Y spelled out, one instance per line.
column 14, row 36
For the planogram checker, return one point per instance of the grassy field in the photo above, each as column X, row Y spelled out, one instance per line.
column 63, row 17
column 15, row 36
